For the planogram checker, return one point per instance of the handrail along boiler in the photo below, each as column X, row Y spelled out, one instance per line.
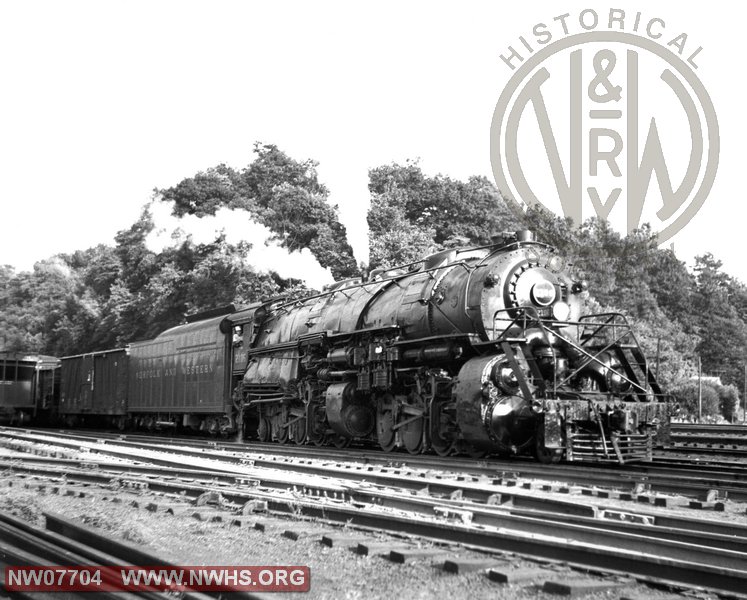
column 469, row 350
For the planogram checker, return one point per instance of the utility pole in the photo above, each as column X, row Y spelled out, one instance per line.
column 700, row 392
column 744, row 397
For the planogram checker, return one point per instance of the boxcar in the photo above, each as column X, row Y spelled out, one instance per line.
column 94, row 386
column 28, row 386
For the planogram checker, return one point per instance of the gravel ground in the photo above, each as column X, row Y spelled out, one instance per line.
column 335, row 572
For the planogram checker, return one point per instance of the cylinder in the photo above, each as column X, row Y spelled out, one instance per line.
column 347, row 415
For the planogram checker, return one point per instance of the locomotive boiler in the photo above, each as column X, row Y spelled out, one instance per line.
column 477, row 350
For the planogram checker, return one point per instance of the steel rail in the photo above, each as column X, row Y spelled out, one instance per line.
column 708, row 438
column 734, row 453
column 22, row 544
column 664, row 543
column 610, row 479
column 165, row 479
column 659, row 479
column 735, row 471
column 729, row 429
column 645, row 551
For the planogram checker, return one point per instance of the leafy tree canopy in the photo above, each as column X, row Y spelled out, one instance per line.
column 279, row 192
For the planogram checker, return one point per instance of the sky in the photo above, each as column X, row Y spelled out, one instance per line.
column 103, row 101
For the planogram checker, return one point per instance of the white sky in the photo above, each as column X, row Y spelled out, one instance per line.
column 103, row 101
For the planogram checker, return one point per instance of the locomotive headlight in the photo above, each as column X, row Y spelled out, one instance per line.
column 561, row 311
column 543, row 293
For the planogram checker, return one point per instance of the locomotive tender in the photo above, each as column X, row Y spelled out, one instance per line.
column 477, row 350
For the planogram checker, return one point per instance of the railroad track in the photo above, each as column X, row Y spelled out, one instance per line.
column 65, row 543
column 715, row 451
column 739, row 430
column 674, row 477
column 450, row 557
column 728, row 440
column 476, row 513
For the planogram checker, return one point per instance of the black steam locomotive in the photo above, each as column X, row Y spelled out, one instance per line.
column 472, row 350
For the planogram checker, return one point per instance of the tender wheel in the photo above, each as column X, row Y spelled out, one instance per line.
column 212, row 427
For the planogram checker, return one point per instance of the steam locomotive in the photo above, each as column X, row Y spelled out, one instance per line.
column 472, row 350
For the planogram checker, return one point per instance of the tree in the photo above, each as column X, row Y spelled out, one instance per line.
column 39, row 309
column 279, row 192
column 728, row 397
column 207, row 192
column 717, row 321
column 155, row 290
column 474, row 209
column 687, row 397
column 392, row 238
column 672, row 286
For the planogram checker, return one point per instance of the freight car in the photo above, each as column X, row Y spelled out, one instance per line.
column 473, row 350
column 28, row 387
column 93, row 389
